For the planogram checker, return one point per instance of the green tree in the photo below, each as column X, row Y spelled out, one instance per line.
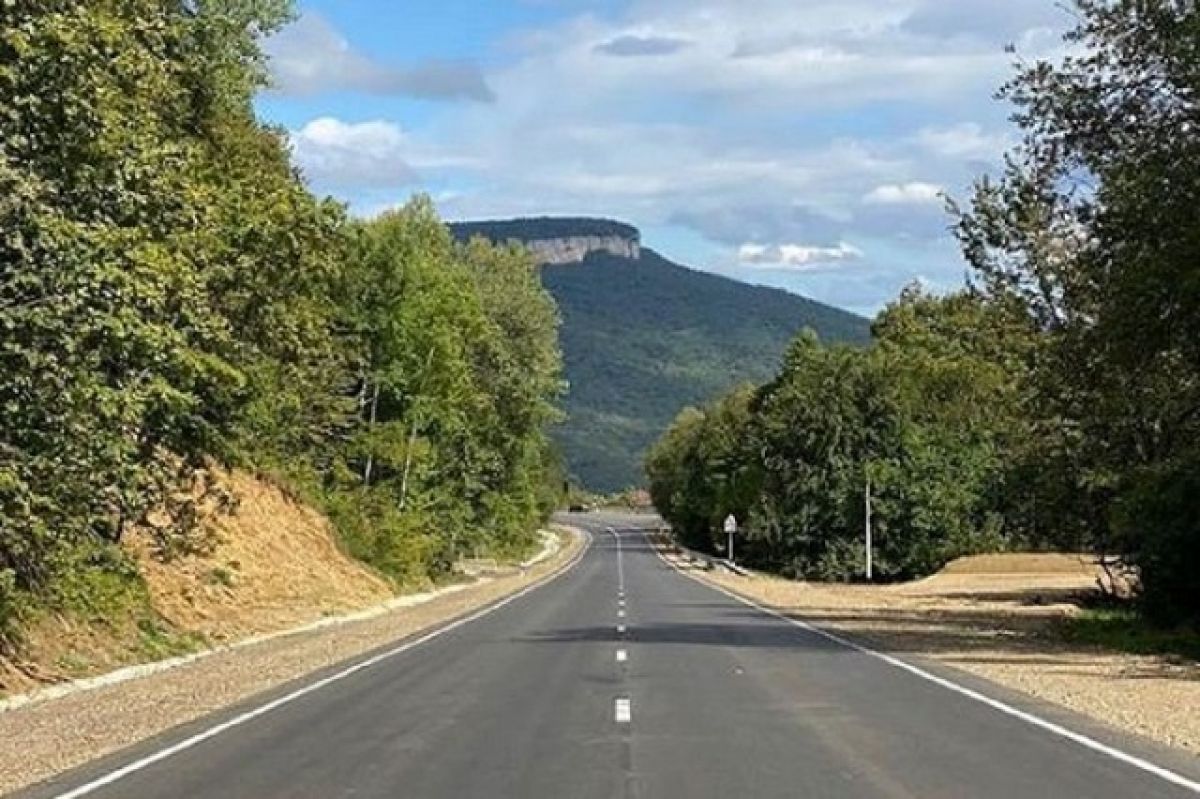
column 1094, row 227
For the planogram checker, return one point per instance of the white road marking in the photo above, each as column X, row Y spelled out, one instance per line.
column 620, row 629
column 275, row 704
column 621, row 602
column 1003, row 707
column 620, row 563
column 622, row 656
column 623, row 710
column 620, row 614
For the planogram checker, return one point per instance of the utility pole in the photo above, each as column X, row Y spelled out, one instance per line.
column 867, row 503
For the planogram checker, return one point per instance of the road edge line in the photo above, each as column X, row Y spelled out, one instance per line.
column 166, row 753
column 1002, row 707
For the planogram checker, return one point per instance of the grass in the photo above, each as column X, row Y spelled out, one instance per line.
column 1124, row 630
column 157, row 642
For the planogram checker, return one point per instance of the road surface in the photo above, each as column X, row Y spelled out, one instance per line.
column 625, row 678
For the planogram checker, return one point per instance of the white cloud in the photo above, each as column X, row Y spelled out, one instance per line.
column 914, row 193
column 967, row 140
column 777, row 122
column 310, row 57
column 795, row 256
column 337, row 154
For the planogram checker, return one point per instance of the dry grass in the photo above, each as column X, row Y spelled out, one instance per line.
column 1001, row 617
column 273, row 564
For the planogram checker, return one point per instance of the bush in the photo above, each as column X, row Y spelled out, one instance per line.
column 1158, row 528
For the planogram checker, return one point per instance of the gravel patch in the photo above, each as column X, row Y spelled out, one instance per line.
column 45, row 738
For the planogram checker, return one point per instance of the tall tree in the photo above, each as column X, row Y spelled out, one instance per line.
column 1094, row 226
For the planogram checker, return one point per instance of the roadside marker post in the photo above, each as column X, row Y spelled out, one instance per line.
column 731, row 527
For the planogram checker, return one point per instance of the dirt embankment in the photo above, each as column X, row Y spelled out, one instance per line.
column 288, row 575
column 1000, row 617
column 270, row 565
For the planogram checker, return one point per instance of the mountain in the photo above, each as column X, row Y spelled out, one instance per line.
column 644, row 337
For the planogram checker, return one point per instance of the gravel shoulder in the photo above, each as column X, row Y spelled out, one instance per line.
column 44, row 738
column 1002, row 627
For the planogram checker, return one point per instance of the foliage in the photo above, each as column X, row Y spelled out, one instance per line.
column 644, row 338
column 458, row 373
column 120, row 365
column 925, row 417
column 1093, row 228
column 171, row 294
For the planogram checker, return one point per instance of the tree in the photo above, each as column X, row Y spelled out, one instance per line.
column 1094, row 227
column 118, row 372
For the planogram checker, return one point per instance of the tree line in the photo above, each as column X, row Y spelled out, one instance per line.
column 172, row 296
column 1053, row 403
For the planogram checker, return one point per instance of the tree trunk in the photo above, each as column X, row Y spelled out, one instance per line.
column 370, row 465
column 408, row 452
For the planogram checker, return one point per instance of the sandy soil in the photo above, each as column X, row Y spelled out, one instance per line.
column 996, row 616
column 42, row 739
column 270, row 565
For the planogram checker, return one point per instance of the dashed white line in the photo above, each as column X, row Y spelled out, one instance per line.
column 620, row 629
column 623, row 710
column 622, row 656
column 620, row 562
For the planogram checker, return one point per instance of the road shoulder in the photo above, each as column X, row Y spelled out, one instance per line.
column 1138, row 700
column 42, row 739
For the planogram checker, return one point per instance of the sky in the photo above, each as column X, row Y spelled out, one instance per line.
column 803, row 144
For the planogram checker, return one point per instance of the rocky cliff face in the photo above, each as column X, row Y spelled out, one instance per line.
column 558, row 240
column 573, row 249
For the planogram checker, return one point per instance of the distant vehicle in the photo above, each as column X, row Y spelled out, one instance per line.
column 580, row 508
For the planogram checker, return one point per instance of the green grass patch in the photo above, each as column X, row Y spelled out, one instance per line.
column 157, row 642
column 1124, row 630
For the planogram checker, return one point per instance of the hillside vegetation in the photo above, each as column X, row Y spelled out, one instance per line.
column 643, row 338
column 172, row 296
column 1055, row 404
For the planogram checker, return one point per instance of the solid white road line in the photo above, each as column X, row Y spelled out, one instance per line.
column 622, row 656
column 275, row 704
column 623, row 710
column 1029, row 718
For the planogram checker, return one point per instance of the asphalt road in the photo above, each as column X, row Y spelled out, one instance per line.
column 699, row 696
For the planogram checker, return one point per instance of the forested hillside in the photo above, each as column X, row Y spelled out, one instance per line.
column 1054, row 404
column 644, row 337
column 172, row 296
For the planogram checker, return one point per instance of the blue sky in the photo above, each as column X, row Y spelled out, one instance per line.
column 804, row 144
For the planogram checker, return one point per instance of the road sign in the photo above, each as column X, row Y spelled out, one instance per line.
column 730, row 529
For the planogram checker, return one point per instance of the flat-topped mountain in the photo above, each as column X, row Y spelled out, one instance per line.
column 559, row 240
column 644, row 337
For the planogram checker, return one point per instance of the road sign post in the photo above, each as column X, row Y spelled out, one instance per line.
column 730, row 529
column 867, row 514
